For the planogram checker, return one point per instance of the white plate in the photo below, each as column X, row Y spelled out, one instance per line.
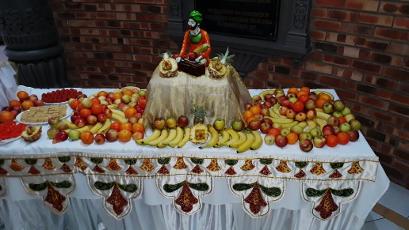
column 18, row 117
column 6, row 141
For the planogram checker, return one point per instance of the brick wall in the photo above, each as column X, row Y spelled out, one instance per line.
column 361, row 49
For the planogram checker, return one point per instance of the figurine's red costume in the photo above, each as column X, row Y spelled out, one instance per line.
column 190, row 43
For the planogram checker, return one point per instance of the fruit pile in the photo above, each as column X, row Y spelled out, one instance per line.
column 175, row 133
column 105, row 116
column 60, row 95
column 11, row 129
column 24, row 102
column 309, row 118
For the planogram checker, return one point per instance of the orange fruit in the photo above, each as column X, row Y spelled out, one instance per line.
column 343, row 138
column 117, row 95
column 324, row 96
column 14, row 103
column 292, row 90
column 127, row 92
column 126, row 126
column 274, row 132
column 305, row 88
column 97, row 109
column 138, row 127
column 303, row 98
column 102, row 93
column 84, row 113
column 320, row 102
column 87, row 137
column 22, row 95
column 124, row 135
column 6, row 116
column 332, row 140
column 116, row 126
column 301, row 93
column 130, row 112
column 247, row 115
column 27, row 104
column 255, row 109
column 292, row 138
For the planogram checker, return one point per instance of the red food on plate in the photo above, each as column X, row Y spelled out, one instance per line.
column 11, row 130
column 60, row 95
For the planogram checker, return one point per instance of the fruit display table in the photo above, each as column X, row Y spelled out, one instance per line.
column 130, row 186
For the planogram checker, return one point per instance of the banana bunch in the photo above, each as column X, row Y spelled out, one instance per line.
column 118, row 115
column 246, row 140
column 94, row 129
column 214, row 138
column 176, row 137
column 265, row 92
column 279, row 119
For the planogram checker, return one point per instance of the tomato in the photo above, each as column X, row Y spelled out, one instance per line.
column 22, row 95
column 292, row 138
column 343, row 138
column 102, row 93
column 298, row 106
column 124, row 135
column 300, row 93
column 274, row 132
column 87, row 137
column 84, row 113
column 116, row 126
column 331, row 140
column 74, row 103
column 97, row 109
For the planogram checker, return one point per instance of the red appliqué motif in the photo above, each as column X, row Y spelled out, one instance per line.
column 117, row 201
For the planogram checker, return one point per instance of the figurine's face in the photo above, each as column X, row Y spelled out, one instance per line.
column 192, row 24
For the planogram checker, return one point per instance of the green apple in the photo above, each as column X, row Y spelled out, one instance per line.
column 285, row 132
column 297, row 129
column 269, row 140
column 305, row 136
column 316, row 132
column 328, row 107
column 337, row 114
column 349, row 117
column 355, row 124
column 74, row 135
column 219, row 124
column 339, row 105
column 51, row 133
column 345, row 127
column 237, row 125
column 346, row 111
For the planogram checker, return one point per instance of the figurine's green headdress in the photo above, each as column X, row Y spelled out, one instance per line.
column 196, row 15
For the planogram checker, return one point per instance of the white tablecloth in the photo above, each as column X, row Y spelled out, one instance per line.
column 220, row 210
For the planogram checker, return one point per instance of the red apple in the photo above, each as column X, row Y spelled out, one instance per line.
column 267, row 104
column 311, row 114
column 80, row 122
column 265, row 127
column 319, row 142
column 102, row 117
column 300, row 116
column 306, row 145
column 247, row 106
column 268, row 97
column 183, row 121
column 269, row 121
column 353, row 135
column 92, row 119
column 281, row 141
column 108, row 113
column 327, row 130
column 254, row 124
column 283, row 110
column 290, row 114
column 99, row 139
column 159, row 123
column 111, row 135
column 264, row 111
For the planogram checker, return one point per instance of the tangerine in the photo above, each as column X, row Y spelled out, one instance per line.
column 138, row 127
column 27, row 104
column 130, row 112
column 305, row 88
column 22, row 95
column 343, row 138
column 126, row 126
column 117, row 95
column 247, row 115
column 332, row 140
column 274, row 132
column 87, row 137
column 124, row 135
column 14, row 103
column 292, row 90
column 292, row 138
column 320, row 102
column 255, row 109
column 324, row 96
column 6, row 116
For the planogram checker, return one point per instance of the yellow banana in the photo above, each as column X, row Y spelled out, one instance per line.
column 171, row 136
column 119, row 112
column 105, row 127
column 241, row 140
column 119, row 118
column 154, row 136
column 302, row 124
column 257, row 141
column 321, row 122
column 289, row 125
column 281, row 120
column 214, row 138
column 265, row 92
column 185, row 138
column 223, row 139
column 70, row 124
column 247, row 144
column 83, row 129
column 112, row 106
column 312, row 124
column 178, row 138
column 323, row 115
column 163, row 135
column 95, row 128
column 234, row 136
